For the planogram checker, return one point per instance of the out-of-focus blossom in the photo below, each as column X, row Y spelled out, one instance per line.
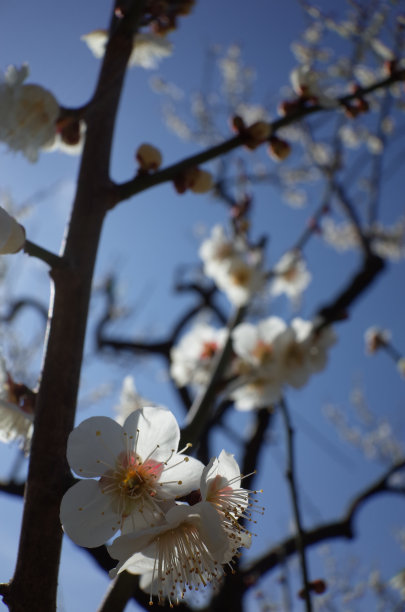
column 375, row 338
column 16, row 413
column 28, row 114
column 130, row 400
column 304, row 351
column 12, row 234
column 192, row 357
column 234, row 267
column 148, row 48
column 291, row 276
column 257, row 365
column 139, row 469
column 306, row 83
column 401, row 366
column 398, row 583
column 271, row 355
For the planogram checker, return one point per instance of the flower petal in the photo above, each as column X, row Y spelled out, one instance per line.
column 94, row 445
column 87, row 516
column 156, row 430
column 182, row 475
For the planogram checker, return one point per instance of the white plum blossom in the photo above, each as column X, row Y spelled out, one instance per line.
column 221, row 486
column 291, row 276
column 376, row 338
column 183, row 552
column 305, row 82
column 398, row 582
column 234, row 267
column 28, row 114
column 217, row 250
column 148, row 48
column 139, row 471
column 130, row 400
column 272, row 354
column 16, row 422
column 257, row 365
column 192, row 358
column 304, row 351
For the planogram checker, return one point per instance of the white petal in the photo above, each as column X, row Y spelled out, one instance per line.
column 86, row 514
column 158, row 435
column 94, row 445
column 182, row 477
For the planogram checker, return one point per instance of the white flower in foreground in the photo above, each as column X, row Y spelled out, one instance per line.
column 192, row 358
column 291, row 276
column 12, row 234
column 28, row 114
column 15, row 422
column 186, row 552
column 130, row 400
column 148, row 48
column 140, row 473
column 220, row 486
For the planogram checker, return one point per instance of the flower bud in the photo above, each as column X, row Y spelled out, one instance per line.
column 203, row 182
column 148, row 157
column 256, row 134
column 237, row 124
column 12, row 234
column 278, row 149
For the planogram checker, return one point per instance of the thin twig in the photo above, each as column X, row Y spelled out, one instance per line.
column 290, row 475
column 54, row 261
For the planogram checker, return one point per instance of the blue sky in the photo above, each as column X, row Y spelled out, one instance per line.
column 144, row 239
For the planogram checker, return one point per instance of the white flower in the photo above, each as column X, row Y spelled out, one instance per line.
column 220, row 486
column 130, row 400
column 185, row 552
column 305, row 82
column 140, row 473
column 259, row 381
column 217, row 249
column 148, row 48
column 16, row 423
column 12, row 234
column 28, row 114
column 234, row 267
column 192, row 358
column 304, row 351
column 291, row 276
column 375, row 338
column 240, row 280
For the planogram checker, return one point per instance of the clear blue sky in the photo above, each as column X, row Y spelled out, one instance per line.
column 145, row 238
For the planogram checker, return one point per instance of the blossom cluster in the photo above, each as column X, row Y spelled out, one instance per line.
column 178, row 519
column 236, row 268
column 267, row 356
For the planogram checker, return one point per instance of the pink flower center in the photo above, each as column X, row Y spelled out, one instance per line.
column 131, row 481
column 209, row 349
